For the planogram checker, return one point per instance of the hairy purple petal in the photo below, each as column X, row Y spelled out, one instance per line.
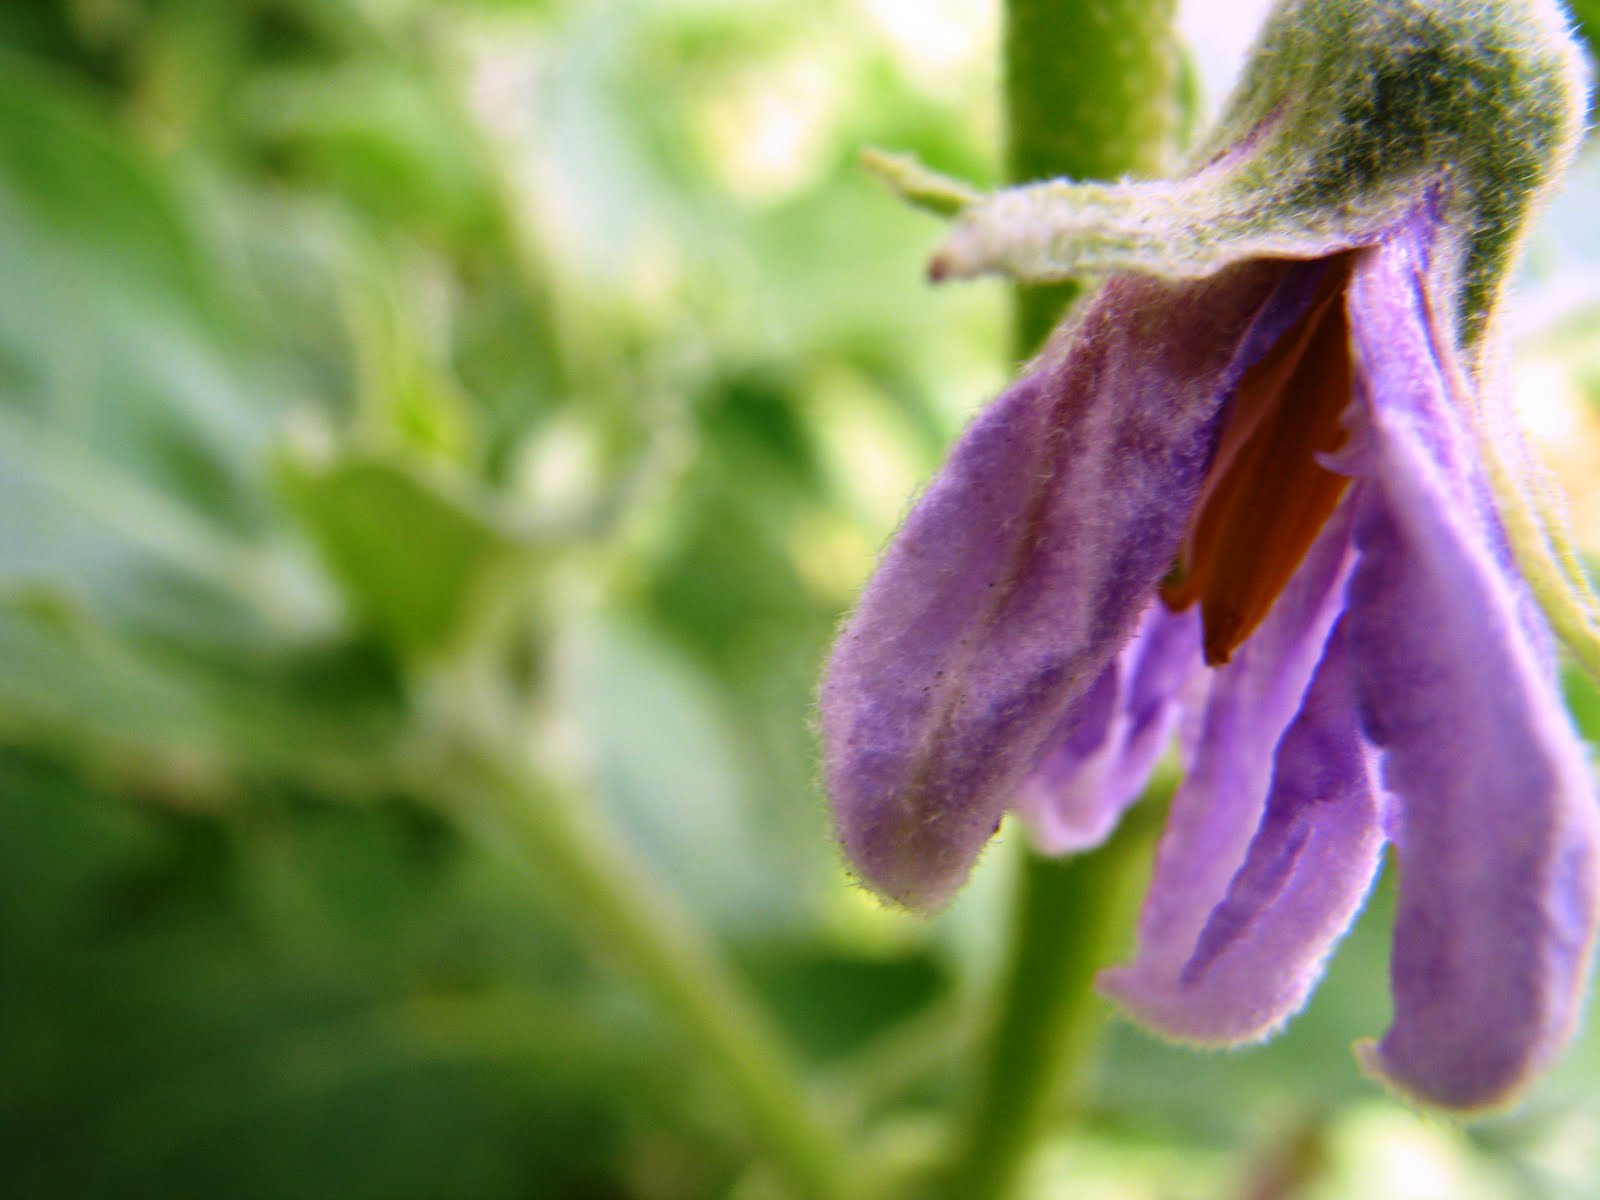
column 1104, row 752
column 1495, row 825
column 1219, row 807
column 1304, row 877
column 1020, row 572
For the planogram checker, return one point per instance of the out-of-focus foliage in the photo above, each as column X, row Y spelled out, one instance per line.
column 377, row 373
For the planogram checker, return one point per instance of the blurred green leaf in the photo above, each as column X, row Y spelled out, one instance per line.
column 150, row 596
column 837, row 1003
column 667, row 756
column 380, row 139
column 178, row 723
column 417, row 560
column 172, row 1027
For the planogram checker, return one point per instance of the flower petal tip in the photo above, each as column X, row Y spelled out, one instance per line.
column 1172, row 1015
column 908, row 856
column 1467, row 1098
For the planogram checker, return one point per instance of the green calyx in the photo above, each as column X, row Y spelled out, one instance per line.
column 1349, row 115
column 1485, row 96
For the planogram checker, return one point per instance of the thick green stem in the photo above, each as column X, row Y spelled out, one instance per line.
column 1091, row 92
column 1070, row 918
column 569, row 848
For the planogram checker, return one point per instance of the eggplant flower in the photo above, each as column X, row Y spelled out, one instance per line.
column 1261, row 488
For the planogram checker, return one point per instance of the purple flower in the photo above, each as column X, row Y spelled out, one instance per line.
column 1247, row 494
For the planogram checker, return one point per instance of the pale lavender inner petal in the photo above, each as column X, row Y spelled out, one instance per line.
column 1110, row 742
column 1020, row 572
column 1218, row 809
column 1304, row 877
column 1167, row 678
column 1062, row 799
column 1495, row 827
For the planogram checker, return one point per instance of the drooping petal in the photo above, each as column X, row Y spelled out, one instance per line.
column 1496, row 823
column 1104, row 752
column 1020, row 572
column 1218, row 809
column 1304, row 877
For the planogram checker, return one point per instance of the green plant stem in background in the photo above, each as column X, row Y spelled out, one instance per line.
column 565, row 843
column 1091, row 92
column 1069, row 918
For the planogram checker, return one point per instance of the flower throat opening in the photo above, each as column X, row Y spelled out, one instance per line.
column 1265, row 497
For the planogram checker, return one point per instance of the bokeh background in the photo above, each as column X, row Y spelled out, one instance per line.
column 373, row 371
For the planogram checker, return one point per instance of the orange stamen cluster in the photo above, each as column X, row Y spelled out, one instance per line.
column 1266, row 497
